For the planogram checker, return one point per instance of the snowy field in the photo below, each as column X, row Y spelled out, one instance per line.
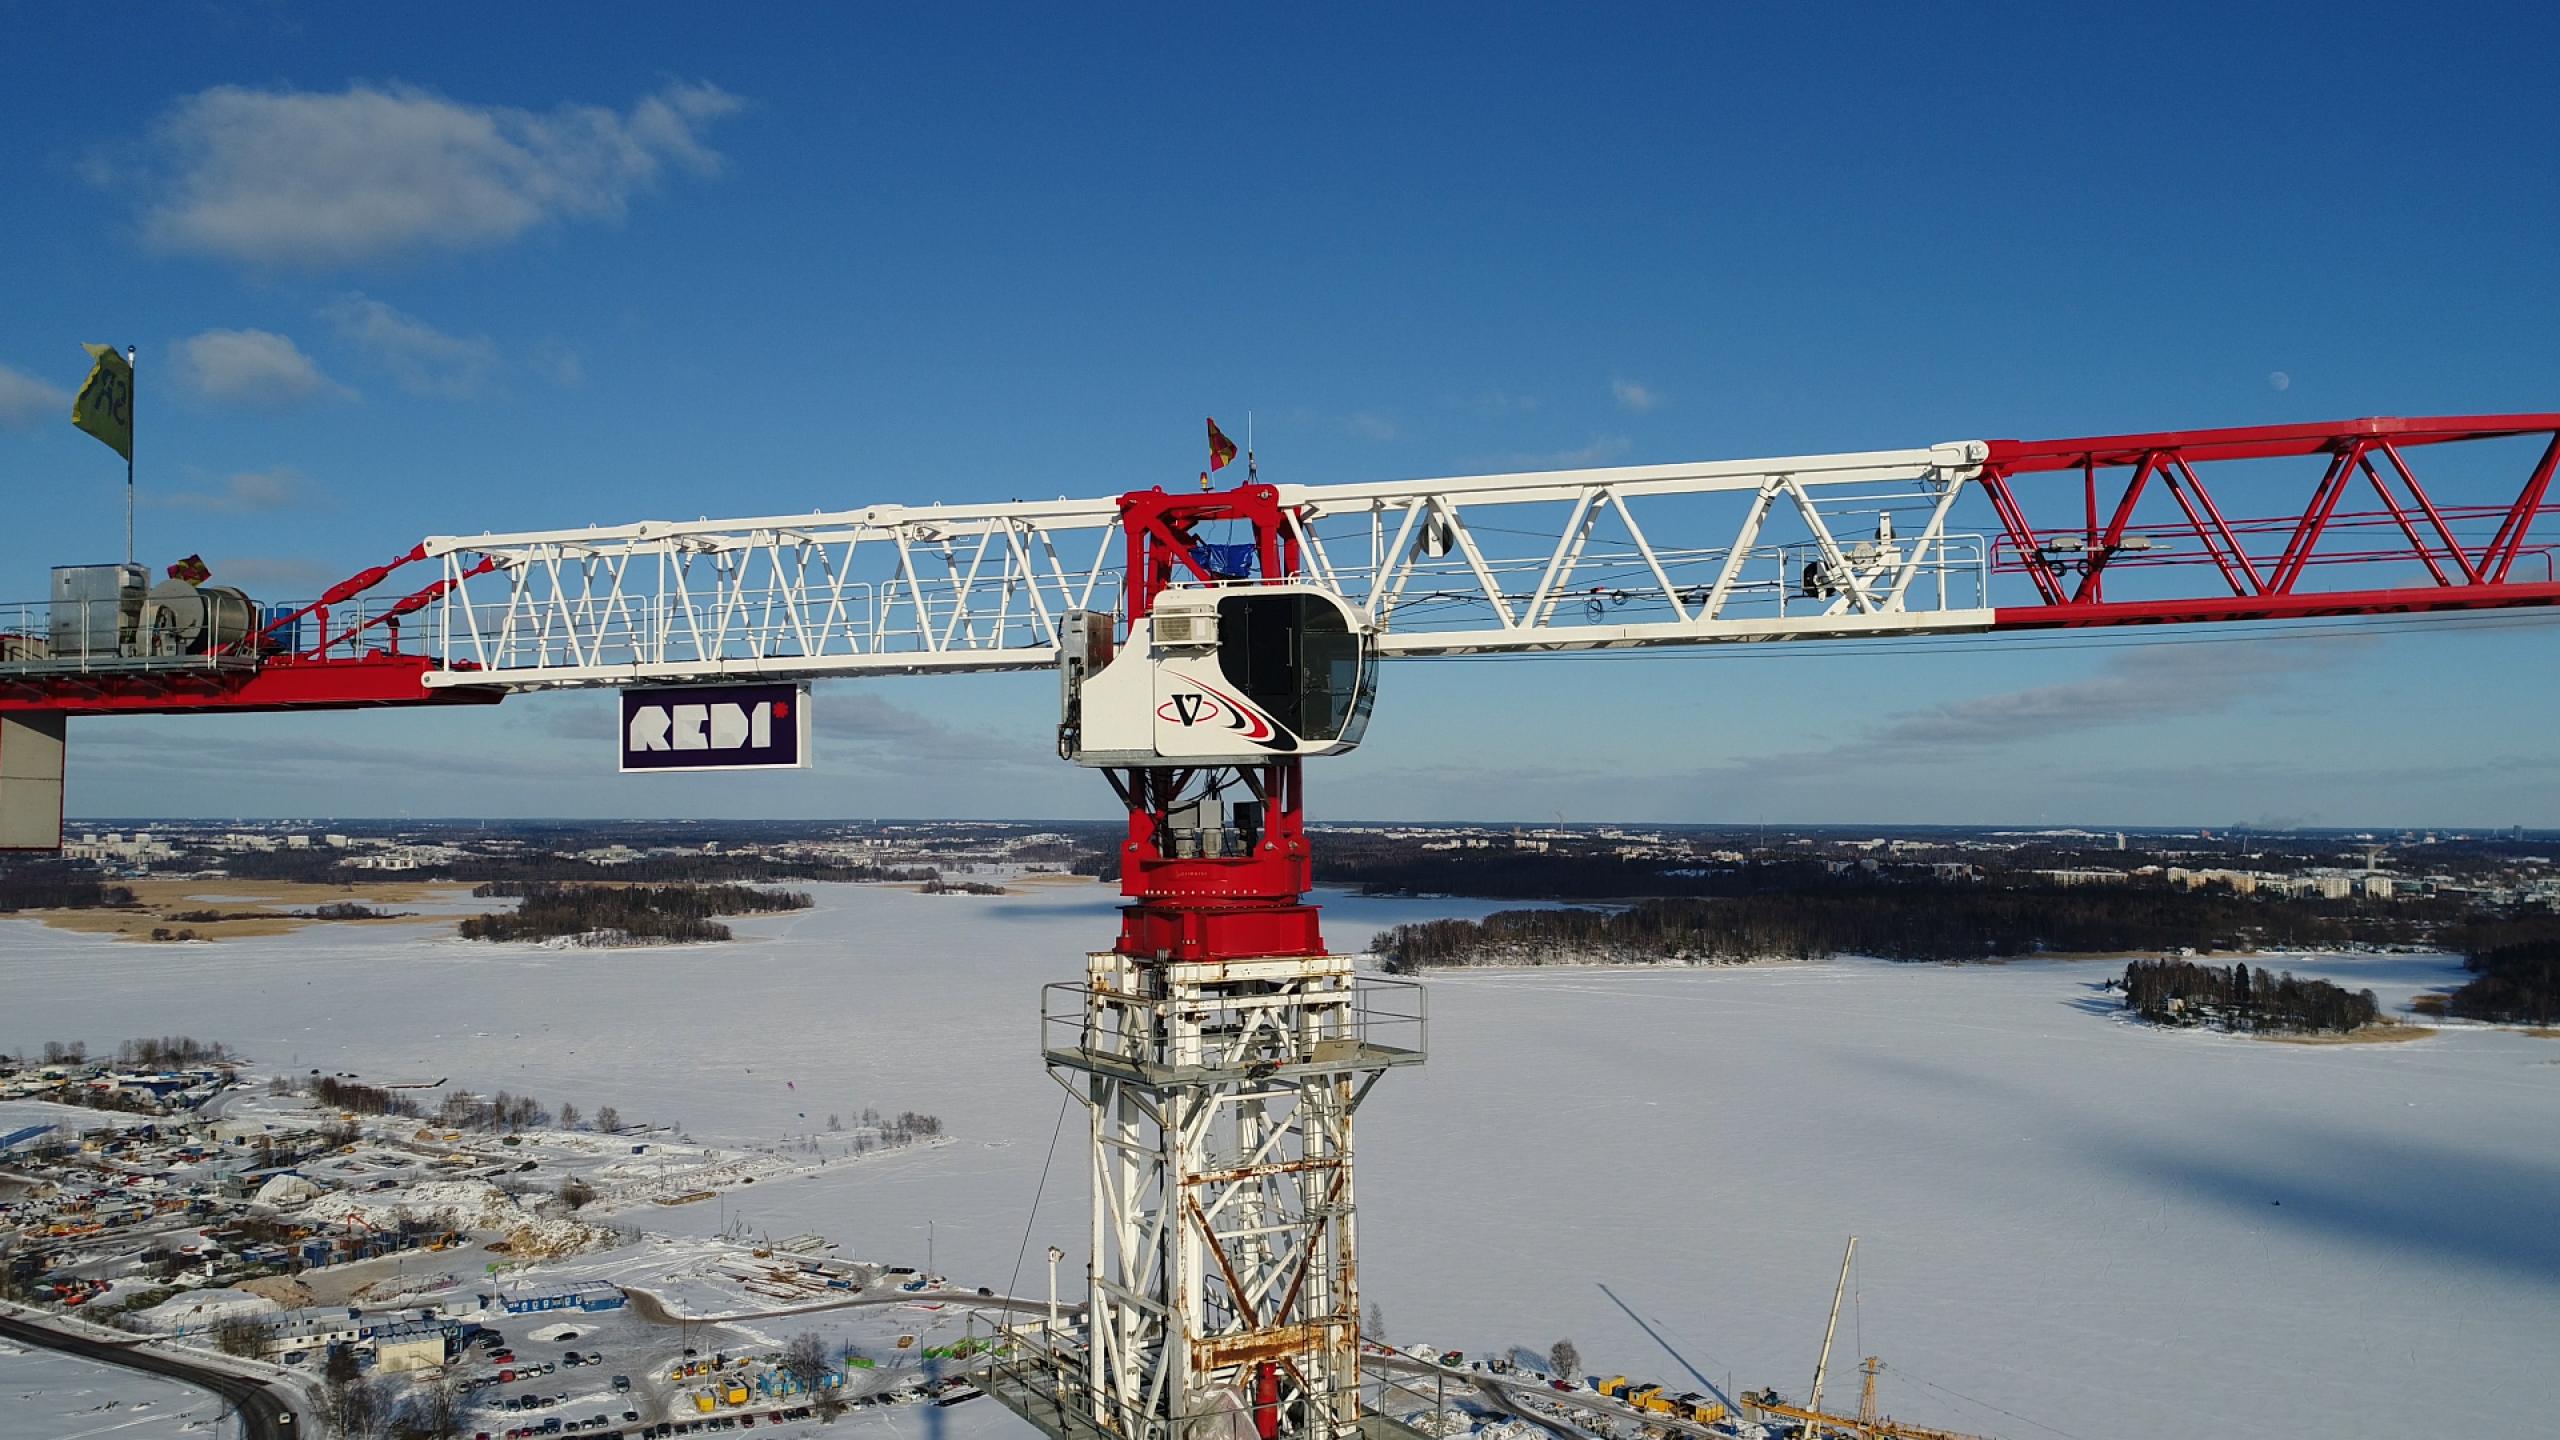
column 48, row 1396
column 2099, row 1229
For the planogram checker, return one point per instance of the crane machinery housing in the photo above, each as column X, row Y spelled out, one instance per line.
column 1207, row 646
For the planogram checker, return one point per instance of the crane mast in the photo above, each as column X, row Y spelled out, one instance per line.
column 1209, row 644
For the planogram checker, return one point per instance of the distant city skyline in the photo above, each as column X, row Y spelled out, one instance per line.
column 2092, row 830
column 400, row 273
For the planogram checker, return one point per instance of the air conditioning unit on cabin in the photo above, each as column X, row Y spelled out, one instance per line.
column 1185, row 622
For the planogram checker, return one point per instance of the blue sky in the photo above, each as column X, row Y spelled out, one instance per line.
column 406, row 272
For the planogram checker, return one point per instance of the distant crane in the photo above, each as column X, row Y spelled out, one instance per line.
column 1866, row 1424
column 1822, row 1365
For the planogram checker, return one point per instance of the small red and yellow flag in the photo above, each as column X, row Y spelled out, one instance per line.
column 1222, row 451
column 193, row 570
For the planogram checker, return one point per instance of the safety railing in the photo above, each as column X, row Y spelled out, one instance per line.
column 205, row 630
column 1040, row 1372
column 1355, row 1023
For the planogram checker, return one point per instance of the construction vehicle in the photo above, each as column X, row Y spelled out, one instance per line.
column 1213, row 642
column 1812, row 1419
column 1761, row 1407
column 1704, row 1409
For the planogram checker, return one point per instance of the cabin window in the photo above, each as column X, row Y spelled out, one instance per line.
column 1295, row 656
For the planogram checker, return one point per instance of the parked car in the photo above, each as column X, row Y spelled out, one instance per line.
column 622, row 1384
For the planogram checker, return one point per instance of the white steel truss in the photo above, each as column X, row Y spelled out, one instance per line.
column 1224, row 1274
column 1796, row 548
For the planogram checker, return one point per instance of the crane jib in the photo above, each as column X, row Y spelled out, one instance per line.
column 2367, row 517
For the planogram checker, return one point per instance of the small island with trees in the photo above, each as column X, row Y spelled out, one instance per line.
column 2236, row 999
column 611, row 916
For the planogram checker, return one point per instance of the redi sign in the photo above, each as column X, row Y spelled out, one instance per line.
column 716, row 727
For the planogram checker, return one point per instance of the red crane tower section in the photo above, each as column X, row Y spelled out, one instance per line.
column 1205, row 907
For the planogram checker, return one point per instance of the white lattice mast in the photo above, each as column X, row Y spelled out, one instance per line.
column 1224, row 1296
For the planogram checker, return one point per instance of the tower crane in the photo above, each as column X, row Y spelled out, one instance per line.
column 1207, row 645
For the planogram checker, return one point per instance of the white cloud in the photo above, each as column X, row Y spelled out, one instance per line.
column 1499, row 402
column 256, row 368
column 1601, row 450
column 559, row 362
column 1370, row 425
column 423, row 359
column 1634, row 396
column 292, row 574
column 26, row 401
column 2138, row 685
column 246, row 493
column 324, row 180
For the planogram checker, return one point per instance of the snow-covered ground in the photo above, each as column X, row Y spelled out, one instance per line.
column 2099, row 1228
column 45, row 1395
column 17, row 1114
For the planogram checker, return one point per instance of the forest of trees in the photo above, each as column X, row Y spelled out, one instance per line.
column 2181, row 992
column 1383, row 868
column 1893, row 920
column 361, row 1099
column 2515, row 966
column 56, row 885
column 323, row 867
column 623, row 914
column 502, row 1111
column 165, row 1051
column 151, row 1052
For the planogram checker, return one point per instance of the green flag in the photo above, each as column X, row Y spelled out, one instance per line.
column 105, row 405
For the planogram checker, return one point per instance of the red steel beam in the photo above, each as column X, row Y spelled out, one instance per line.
column 2270, row 584
column 364, row 682
column 2407, row 600
column 2258, row 442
